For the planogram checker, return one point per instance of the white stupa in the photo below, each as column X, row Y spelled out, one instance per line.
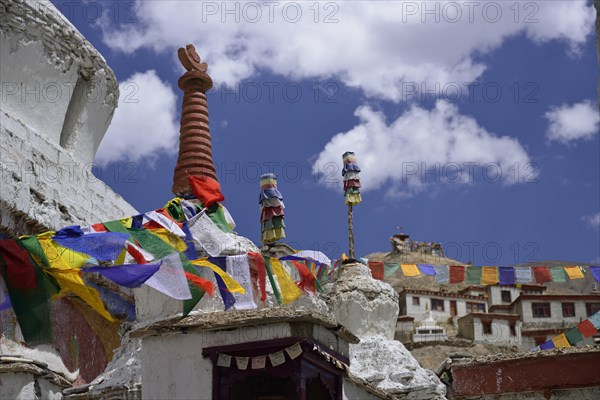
column 429, row 330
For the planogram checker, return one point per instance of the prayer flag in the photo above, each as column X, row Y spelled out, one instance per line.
column 206, row 189
column 523, row 274
column 506, row 275
column 289, row 291
column 547, row 345
column 197, row 285
column 261, row 272
column 128, row 275
column 259, row 362
column 586, row 328
column 307, row 279
column 409, row 270
column 558, row 274
column 104, row 246
column 595, row 320
column 242, row 362
column 239, row 269
column 489, row 275
column 541, row 274
column 17, row 265
column 574, row 336
column 427, row 269
column 294, row 351
column 228, row 280
column 457, row 273
column 561, row 341
column 170, row 278
column 574, row 272
column 595, row 272
column 209, row 236
column 277, row 358
column 390, row 269
column 442, row 275
column 226, row 296
column 224, row 361
column 473, row 275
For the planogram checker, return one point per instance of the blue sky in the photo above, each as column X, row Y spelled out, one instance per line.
column 513, row 163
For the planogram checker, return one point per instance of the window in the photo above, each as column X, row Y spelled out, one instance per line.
column 568, row 309
column 487, row 327
column 416, row 301
column 592, row 308
column 513, row 328
column 506, row 296
column 475, row 307
column 437, row 305
column 540, row 310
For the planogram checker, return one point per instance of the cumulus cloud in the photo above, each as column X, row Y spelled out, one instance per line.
column 423, row 147
column 378, row 47
column 145, row 122
column 569, row 123
column 593, row 220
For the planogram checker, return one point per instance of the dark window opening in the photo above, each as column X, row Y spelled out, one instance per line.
column 513, row 329
column 487, row 327
column 568, row 309
column 506, row 296
column 416, row 301
column 592, row 308
column 541, row 310
column 437, row 305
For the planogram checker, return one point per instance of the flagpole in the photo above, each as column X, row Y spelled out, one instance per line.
column 350, row 232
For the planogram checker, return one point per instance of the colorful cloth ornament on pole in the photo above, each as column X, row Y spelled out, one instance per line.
column 350, row 172
column 271, row 210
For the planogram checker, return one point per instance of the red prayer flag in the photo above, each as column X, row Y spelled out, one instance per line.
column 207, row 286
column 457, row 273
column 99, row 228
column 307, row 279
column 261, row 270
column 19, row 269
column 137, row 256
column 206, row 189
column 377, row 269
column 586, row 328
column 541, row 274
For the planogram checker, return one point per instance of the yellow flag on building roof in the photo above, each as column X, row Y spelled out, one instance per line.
column 289, row 291
column 410, row 269
column 489, row 275
column 574, row 272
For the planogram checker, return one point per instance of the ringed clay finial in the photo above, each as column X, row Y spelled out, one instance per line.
column 190, row 59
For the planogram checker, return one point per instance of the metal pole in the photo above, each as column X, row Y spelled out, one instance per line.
column 350, row 232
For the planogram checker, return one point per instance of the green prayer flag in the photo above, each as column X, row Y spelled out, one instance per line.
column 272, row 280
column 390, row 269
column 151, row 243
column 197, row 292
column 36, row 253
column 115, row 226
column 473, row 276
column 574, row 336
column 558, row 274
column 216, row 214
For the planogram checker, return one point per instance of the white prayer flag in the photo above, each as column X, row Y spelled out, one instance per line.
column 294, row 351
column 242, row 362
column 239, row 269
column 259, row 362
column 170, row 278
column 277, row 358
column 165, row 222
column 523, row 274
column 224, row 361
column 315, row 255
column 209, row 236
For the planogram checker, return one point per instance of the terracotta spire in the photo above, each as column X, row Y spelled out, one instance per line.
column 195, row 149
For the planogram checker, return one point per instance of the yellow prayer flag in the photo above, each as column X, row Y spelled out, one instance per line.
column 344, row 256
column 561, row 341
column 289, row 291
column 231, row 283
column 410, row 269
column 489, row 275
column 574, row 272
column 170, row 238
column 64, row 266
column 126, row 222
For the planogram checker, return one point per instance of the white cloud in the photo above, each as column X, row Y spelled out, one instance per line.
column 421, row 148
column 375, row 46
column 593, row 220
column 572, row 122
column 145, row 123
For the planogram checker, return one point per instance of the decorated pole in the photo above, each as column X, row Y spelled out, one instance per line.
column 271, row 210
column 350, row 172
